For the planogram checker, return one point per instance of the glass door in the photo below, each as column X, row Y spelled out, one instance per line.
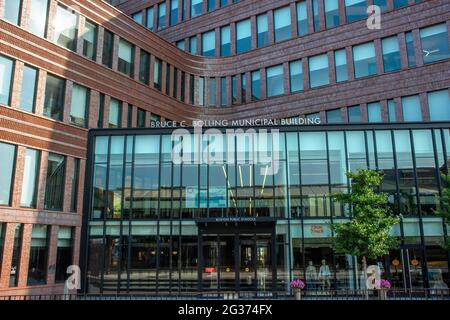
column 247, row 270
column 227, row 263
column 263, row 263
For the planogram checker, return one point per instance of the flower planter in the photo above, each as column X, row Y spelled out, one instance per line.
column 298, row 294
column 382, row 294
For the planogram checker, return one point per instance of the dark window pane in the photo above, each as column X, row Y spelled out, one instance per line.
column 37, row 267
column 56, row 167
column 8, row 152
column 54, row 97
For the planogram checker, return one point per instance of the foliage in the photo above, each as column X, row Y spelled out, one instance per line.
column 444, row 208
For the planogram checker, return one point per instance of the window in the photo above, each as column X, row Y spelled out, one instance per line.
column 161, row 15
column 274, row 80
column 224, row 3
column 37, row 21
column 410, row 49
column 138, row 17
column 302, row 18
column 130, row 115
column 193, row 45
column 262, row 30
column 392, row 117
column 196, row 8
column 223, row 91
column 101, row 109
column 334, row 116
column 175, row 83
column 211, row 5
column 439, row 105
column 434, row 41
column 315, row 12
column 296, row 75
column 282, row 23
column 183, row 86
column 150, row 22
column 391, row 54
column 209, row 44
column 12, row 10
column 126, row 58
column 63, row 253
column 16, row 255
column 400, row 3
column 364, row 60
column 107, row 52
column 180, row 44
column 374, row 112
column 56, row 167
column 340, row 61
column 354, row 114
column 318, row 71
column 28, row 94
column 411, row 108
column 157, row 74
column 74, row 179
column 355, row 10
column 37, row 266
column 225, row 42
column 256, row 86
column 140, row 118
column 144, row 67
column 382, row 4
column 243, row 36
column 168, row 78
column 331, row 13
column 54, row 97
column 8, row 152
column 191, row 89
column 212, row 92
column 115, row 113
column 243, row 88
column 201, row 91
column 65, row 28
column 79, row 105
column 90, row 40
column 173, row 12
column 234, row 89
column 6, row 77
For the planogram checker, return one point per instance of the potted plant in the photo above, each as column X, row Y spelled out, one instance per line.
column 297, row 285
column 383, row 286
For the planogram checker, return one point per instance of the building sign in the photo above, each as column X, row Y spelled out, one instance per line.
column 315, row 228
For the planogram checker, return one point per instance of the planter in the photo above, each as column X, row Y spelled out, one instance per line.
column 297, row 294
column 382, row 294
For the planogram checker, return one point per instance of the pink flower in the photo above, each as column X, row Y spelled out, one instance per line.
column 297, row 283
column 383, row 284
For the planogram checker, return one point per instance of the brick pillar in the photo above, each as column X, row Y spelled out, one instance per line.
column 2, row 12
column 40, row 92
column 248, row 93
column 76, row 246
column 321, row 14
column 217, row 40
column 106, row 112
column 305, row 72
column 178, row 93
column 350, row 66
column 229, row 93
column 270, row 25
column 188, row 9
column 344, row 115
column 124, row 120
column 341, row 4
column 233, row 38
column 134, row 117
column 137, row 62
column 18, row 176
column 417, row 47
column 67, row 101
column 403, row 52
column 167, row 13
column 207, row 93
column 424, row 107
column 100, row 36
column 52, row 253
column 148, row 118
column 196, row 90
column 379, row 56
column 8, row 247
column 239, row 88
column 286, row 78
column 68, row 183
column 80, row 192
column 253, row 32
column 115, row 62
column 390, row 5
column 331, row 67
column 398, row 109
column 17, row 84
column 172, row 75
column 384, row 111
column 81, row 23
column 263, row 83
column 363, row 110
column 152, row 70
column 94, row 101
column 51, row 16
column 294, row 19
column 25, row 255
column 309, row 12
column 164, row 76
column 42, row 181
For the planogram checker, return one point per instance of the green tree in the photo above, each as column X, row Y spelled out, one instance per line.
column 444, row 208
column 367, row 234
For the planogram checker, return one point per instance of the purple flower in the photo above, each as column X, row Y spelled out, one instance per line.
column 297, row 283
column 383, row 284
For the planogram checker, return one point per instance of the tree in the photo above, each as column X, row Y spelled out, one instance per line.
column 367, row 234
column 444, row 208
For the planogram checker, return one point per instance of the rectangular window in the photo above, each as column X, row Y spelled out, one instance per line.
column 6, row 78
column 318, row 71
column 223, row 91
column 173, row 12
column 12, row 10
column 107, row 52
column 79, row 105
column 201, row 91
column 355, row 10
column 149, row 21
column 161, row 15
column 410, row 49
column 37, row 21
column 183, row 10
column 130, row 116
column 225, row 41
column 243, row 88
column 382, row 4
column 115, row 113
column 90, row 40
column 196, row 8
column 180, row 44
column 374, row 112
column 65, row 28
column 126, row 58
column 434, row 41
column 315, row 12
column 101, row 108
column 211, row 5
column 439, row 105
column 391, row 54
column 302, row 18
column 8, row 152
column 141, row 118
column 274, row 81
column 209, row 44
column 296, row 75
column 212, row 92
column 234, row 89
column 138, row 17
column 354, row 114
column 411, row 108
column 191, row 89
column 54, row 97
column 30, row 178
column 193, row 45
column 392, row 115
column 340, row 61
column 282, row 23
column 334, row 116
column 37, row 266
column 256, row 85
column 167, row 78
column 144, row 67
column 63, row 253
column 183, row 86
column 157, row 74
column 175, row 83
column 400, row 3
column 364, row 60
column 331, row 13
column 56, row 168
column 74, row 179
column 262, row 30
column 224, row 3
column 243, row 36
